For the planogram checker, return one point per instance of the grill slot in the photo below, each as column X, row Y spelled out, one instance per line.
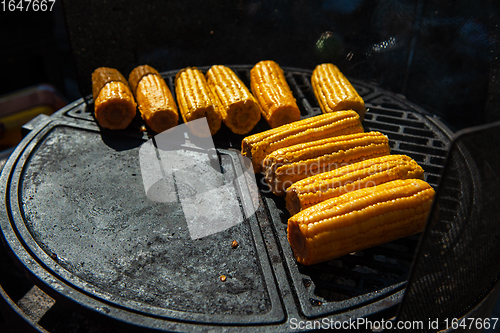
column 420, row 132
column 387, row 112
column 437, row 160
column 373, row 125
column 413, row 138
column 420, row 158
column 400, row 121
column 421, row 148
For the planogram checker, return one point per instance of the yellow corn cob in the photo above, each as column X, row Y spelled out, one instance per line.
column 259, row 145
column 155, row 101
column 360, row 219
column 315, row 189
column 269, row 86
column 195, row 99
column 114, row 103
column 240, row 110
column 286, row 166
column 334, row 92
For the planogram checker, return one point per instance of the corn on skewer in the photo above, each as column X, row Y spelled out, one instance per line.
column 334, row 92
column 195, row 99
column 286, row 166
column 154, row 98
column 360, row 219
column 315, row 189
column 269, row 86
column 114, row 103
column 239, row 109
column 259, row 145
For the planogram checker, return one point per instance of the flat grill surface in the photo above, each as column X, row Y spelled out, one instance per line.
column 128, row 255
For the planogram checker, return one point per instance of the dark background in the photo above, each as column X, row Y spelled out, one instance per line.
column 442, row 55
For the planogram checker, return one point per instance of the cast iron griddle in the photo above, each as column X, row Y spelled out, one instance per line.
column 78, row 221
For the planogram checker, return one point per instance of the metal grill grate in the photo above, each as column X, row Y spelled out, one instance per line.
column 361, row 284
column 366, row 275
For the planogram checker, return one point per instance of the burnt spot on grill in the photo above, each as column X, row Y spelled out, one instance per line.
column 315, row 302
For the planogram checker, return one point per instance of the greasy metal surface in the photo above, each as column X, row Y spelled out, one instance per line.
column 125, row 244
column 79, row 220
column 86, row 217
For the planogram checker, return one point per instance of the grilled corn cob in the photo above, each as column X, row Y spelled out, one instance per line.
column 114, row 103
column 334, row 92
column 240, row 110
column 360, row 219
column 155, row 101
column 286, row 166
column 259, row 145
column 195, row 99
column 269, row 86
column 315, row 189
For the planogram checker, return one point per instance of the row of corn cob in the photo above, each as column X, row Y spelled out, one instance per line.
column 360, row 219
column 344, row 190
column 219, row 96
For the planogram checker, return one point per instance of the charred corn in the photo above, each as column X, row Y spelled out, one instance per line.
column 240, row 110
column 195, row 99
column 114, row 103
column 269, row 86
column 334, row 92
column 315, row 189
column 286, row 166
column 259, row 145
column 360, row 219
column 154, row 98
